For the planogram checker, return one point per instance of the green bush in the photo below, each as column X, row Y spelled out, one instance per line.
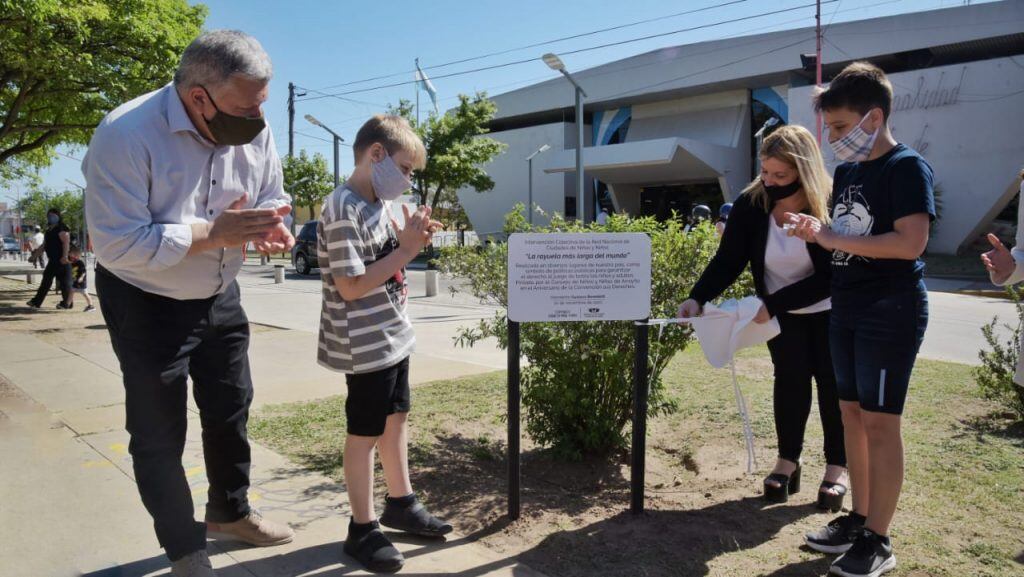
column 577, row 389
column 998, row 365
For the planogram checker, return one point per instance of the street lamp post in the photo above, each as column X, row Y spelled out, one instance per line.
column 529, row 162
column 337, row 145
column 555, row 63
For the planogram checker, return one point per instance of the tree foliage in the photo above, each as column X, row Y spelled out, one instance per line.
column 307, row 179
column 65, row 63
column 457, row 150
column 36, row 203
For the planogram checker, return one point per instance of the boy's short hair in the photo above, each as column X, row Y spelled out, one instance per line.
column 861, row 86
column 393, row 133
column 73, row 249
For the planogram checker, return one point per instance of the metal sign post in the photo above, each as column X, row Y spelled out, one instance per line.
column 564, row 277
column 513, row 421
column 640, row 391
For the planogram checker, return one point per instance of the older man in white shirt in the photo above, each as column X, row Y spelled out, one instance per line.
column 178, row 180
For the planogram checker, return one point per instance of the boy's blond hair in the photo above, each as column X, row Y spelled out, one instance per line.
column 393, row 133
column 794, row 145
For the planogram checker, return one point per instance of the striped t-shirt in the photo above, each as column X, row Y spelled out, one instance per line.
column 373, row 332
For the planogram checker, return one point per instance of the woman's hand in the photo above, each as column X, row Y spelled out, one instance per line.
column 689, row 309
column 762, row 315
column 998, row 261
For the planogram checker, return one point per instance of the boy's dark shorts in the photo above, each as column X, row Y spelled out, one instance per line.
column 372, row 397
column 874, row 348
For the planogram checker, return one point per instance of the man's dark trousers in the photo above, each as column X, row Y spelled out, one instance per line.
column 160, row 342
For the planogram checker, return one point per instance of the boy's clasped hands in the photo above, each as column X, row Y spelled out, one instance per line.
column 418, row 230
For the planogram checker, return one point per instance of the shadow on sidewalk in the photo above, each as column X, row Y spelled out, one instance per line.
column 323, row 560
column 658, row 543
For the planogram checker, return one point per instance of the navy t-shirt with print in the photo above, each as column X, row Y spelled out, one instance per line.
column 867, row 198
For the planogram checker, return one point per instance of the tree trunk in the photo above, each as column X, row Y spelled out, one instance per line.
column 437, row 199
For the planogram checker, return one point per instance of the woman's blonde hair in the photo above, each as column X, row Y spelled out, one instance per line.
column 794, row 145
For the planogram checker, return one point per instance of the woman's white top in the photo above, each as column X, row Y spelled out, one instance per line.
column 787, row 261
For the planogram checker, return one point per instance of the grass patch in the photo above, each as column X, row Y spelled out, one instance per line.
column 961, row 513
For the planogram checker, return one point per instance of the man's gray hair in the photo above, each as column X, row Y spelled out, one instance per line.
column 212, row 58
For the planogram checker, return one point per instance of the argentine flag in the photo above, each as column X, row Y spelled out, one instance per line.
column 425, row 84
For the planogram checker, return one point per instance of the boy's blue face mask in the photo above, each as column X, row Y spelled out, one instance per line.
column 52, row 219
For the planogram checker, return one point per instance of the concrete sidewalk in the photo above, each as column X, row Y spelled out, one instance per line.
column 70, row 506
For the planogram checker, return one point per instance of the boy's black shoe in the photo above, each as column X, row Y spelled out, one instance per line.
column 838, row 536
column 368, row 545
column 409, row 515
column 870, row 556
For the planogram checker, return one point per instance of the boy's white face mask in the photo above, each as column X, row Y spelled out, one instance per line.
column 388, row 180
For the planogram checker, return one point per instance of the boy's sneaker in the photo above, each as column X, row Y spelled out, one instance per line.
column 870, row 556
column 372, row 548
column 89, row 308
column 409, row 515
column 838, row 536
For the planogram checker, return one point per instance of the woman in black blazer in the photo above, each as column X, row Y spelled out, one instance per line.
column 792, row 278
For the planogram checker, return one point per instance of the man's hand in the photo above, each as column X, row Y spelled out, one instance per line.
column 280, row 239
column 998, row 261
column 237, row 226
column 64, row 260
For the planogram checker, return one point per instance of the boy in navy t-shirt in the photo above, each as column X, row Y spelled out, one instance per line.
column 883, row 205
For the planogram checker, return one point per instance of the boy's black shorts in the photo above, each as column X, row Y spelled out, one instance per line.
column 374, row 396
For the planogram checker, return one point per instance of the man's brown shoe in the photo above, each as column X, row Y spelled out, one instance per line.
column 195, row 564
column 252, row 529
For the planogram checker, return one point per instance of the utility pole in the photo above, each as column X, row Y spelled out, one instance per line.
column 817, row 62
column 291, row 119
column 423, row 194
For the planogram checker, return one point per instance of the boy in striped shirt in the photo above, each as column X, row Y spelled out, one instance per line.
column 366, row 334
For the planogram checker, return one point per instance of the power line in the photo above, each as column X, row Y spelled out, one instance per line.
column 315, row 137
column 713, row 49
column 535, row 45
column 720, row 66
column 325, row 94
column 360, row 118
column 578, row 51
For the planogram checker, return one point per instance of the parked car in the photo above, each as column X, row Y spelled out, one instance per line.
column 304, row 252
column 11, row 244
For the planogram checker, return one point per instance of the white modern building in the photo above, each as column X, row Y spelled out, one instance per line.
column 678, row 126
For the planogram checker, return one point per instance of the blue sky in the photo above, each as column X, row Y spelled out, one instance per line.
column 320, row 43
